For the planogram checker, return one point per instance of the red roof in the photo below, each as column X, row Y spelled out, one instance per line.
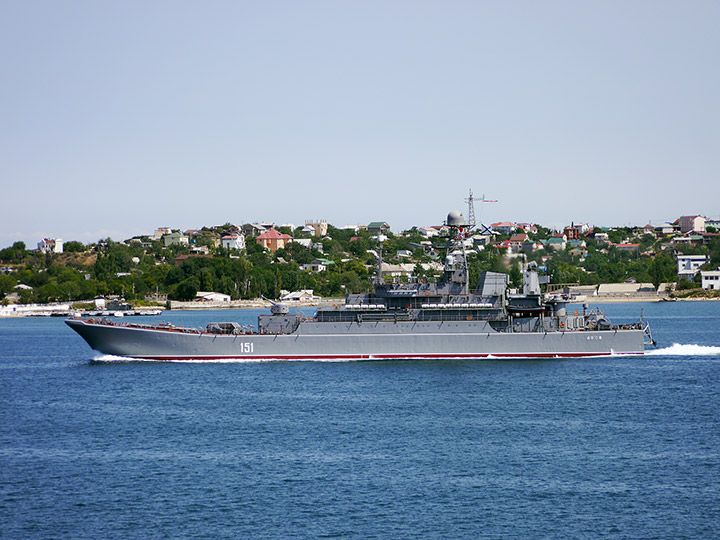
column 272, row 234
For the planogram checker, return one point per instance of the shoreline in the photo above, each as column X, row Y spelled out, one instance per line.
column 653, row 299
column 64, row 310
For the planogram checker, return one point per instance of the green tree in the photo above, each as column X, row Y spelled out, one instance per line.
column 74, row 247
column 186, row 290
column 15, row 254
column 7, row 283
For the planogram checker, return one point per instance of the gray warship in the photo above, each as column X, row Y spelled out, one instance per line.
column 420, row 320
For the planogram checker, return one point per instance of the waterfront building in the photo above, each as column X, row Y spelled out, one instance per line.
column 710, row 279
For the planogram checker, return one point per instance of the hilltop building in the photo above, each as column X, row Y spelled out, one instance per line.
column 176, row 239
column 233, row 241
column 692, row 224
column 319, row 227
column 378, row 227
column 504, row 227
column 50, row 245
column 273, row 240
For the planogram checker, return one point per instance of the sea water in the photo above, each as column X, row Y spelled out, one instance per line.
column 617, row 447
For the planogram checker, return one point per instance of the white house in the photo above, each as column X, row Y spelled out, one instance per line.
column 688, row 265
column 318, row 265
column 710, row 279
column 304, row 242
column 504, row 227
column 403, row 254
column 50, row 245
column 200, row 250
column 665, row 228
column 429, row 232
column 233, row 241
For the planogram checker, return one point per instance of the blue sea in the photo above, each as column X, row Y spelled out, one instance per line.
column 95, row 447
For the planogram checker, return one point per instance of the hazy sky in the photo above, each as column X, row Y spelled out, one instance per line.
column 120, row 117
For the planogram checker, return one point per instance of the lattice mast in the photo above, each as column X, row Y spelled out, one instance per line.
column 471, row 210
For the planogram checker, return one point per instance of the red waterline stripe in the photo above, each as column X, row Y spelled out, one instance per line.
column 390, row 356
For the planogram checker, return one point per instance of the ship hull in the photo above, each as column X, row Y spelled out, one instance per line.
column 362, row 341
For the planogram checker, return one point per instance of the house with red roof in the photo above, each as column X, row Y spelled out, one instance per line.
column 504, row 227
column 273, row 240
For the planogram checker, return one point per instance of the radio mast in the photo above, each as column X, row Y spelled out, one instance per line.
column 471, row 210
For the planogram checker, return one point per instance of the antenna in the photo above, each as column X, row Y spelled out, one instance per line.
column 471, row 210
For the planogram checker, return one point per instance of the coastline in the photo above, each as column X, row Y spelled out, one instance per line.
column 65, row 310
column 653, row 298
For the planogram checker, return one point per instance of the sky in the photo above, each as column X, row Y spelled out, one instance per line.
column 117, row 118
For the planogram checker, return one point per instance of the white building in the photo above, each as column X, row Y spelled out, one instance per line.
column 305, row 295
column 710, row 279
column 688, row 265
column 233, row 241
column 665, row 228
column 50, row 245
column 304, row 242
column 429, row 232
column 203, row 296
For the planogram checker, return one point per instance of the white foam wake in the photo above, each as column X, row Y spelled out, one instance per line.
column 679, row 349
column 112, row 358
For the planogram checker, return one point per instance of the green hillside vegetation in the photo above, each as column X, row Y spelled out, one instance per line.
column 138, row 271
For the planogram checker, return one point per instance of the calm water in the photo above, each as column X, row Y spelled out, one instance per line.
column 620, row 447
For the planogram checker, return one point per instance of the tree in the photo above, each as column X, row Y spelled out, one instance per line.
column 6, row 284
column 186, row 290
column 74, row 247
column 15, row 254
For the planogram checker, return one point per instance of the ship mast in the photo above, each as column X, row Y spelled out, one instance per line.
column 456, row 268
column 471, row 210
